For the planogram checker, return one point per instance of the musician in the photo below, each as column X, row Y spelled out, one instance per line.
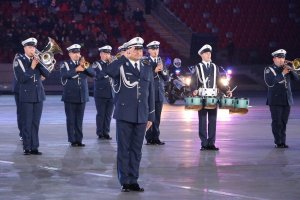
column 207, row 78
column 134, row 111
column 279, row 98
column 28, row 72
column 103, row 94
column 74, row 73
column 160, row 76
column 122, row 49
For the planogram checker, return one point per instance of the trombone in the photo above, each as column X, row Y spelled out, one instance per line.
column 295, row 64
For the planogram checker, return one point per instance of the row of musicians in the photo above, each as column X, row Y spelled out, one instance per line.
column 29, row 93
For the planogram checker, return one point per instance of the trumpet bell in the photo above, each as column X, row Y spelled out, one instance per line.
column 296, row 63
column 86, row 65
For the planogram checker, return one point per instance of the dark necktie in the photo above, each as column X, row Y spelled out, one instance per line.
column 136, row 66
column 207, row 66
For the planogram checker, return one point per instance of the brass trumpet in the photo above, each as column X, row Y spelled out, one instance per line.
column 295, row 64
column 84, row 63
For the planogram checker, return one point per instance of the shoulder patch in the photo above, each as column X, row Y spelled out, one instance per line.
column 16, row 63
column 94, row 65
column 267, row 71
column 146, row 62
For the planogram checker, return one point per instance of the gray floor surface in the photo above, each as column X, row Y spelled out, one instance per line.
column 246, row 167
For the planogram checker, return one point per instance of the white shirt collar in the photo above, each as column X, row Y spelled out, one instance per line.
column 205, row 63
column 27, row 57
column 153, row 59
column 74, row 61
column 132, row 62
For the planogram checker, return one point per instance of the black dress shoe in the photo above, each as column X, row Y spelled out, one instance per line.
column 204, row 148
column 107, row 137
column 213, row 148
column 279, row 146
column 284, row 146
column 74, row 144
column 159, row 142
column 100, row 137
column 125, row 188
column 80, row 144
column 135, row 187
column 150, row 142
column 26, row 152
column 35, row 152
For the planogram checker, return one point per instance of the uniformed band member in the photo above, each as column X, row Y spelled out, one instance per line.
column 160, row 76
column 206, row 83
column 134, row 111
column 74, row 75
column 28, row 72
column 122, row 49
column 278, row 78
column 103, row 94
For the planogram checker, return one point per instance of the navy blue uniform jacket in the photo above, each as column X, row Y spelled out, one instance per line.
column 75, row 84
column 208, row 73
column 159, row 81
column 102, row 87
column 31, row 88
column 279, row 88
column 135, row 104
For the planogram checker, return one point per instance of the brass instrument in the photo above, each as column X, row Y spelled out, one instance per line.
column 116, row 57
column 84, row 63
column 46, row 57
column 295, row 64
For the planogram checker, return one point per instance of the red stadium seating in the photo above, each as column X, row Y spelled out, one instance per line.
column 250, row 22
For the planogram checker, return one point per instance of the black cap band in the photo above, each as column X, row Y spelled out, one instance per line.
column 105, row 50
column 77, row 50
column 153, row 47
column 33, row 44
column 279, row 55
column 205, row 50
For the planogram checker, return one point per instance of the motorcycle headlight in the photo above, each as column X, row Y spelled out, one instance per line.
column 187, row 81
column 224, row 81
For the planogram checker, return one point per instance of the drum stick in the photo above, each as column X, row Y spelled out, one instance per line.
column 233, row 88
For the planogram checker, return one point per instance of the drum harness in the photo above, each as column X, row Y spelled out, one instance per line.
column 203, row 80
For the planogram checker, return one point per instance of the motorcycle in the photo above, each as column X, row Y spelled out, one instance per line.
column 178, row 86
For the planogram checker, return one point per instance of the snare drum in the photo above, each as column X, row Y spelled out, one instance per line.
column 193, row 103
column 227, row 103
column 240, row 106
column 210, row 102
